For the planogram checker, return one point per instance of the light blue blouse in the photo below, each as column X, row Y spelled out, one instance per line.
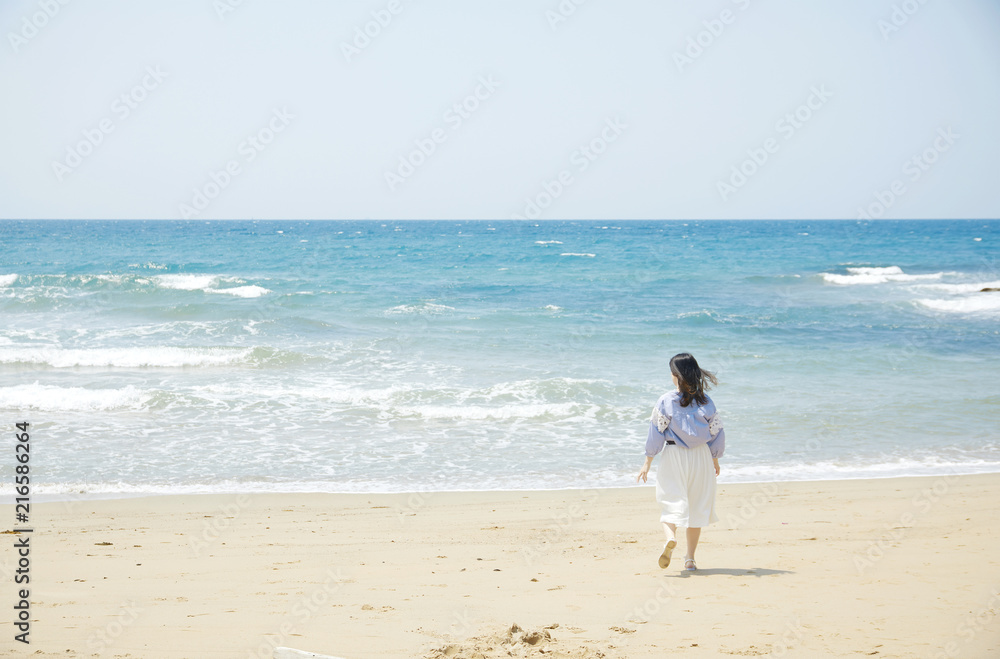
column 689, row 426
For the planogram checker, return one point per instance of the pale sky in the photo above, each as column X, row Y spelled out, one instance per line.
column 565, row 110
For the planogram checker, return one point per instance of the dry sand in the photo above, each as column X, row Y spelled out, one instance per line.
column 886, row 568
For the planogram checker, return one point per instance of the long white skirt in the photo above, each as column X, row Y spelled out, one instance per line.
column 685, row 486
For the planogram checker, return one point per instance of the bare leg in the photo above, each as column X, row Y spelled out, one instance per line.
column 692, row 538
column 670, row 530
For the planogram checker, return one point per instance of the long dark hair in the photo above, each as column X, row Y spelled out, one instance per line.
column 691, row 379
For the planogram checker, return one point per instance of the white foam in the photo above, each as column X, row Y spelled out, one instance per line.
column 476, row 412
column 209, row 284
column 422, row 308
column 577, row 254
column 7, row 280
column 513, row 399
column 486, row 482
column 70, row 399
column 125, row 357
column 890, row 270
column 548, row 242
column 186, row 282
column 355, row 397
column 240, row 291
column 827, row 470
column 868, row 276
column 984, row 303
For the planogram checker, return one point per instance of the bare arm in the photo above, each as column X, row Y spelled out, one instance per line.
column 645, row 469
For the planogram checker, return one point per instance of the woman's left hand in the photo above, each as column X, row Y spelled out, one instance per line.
column 715, row 461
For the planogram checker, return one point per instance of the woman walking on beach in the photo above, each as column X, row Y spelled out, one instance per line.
column 686, row 426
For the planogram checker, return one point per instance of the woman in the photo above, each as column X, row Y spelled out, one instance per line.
column 686, row 426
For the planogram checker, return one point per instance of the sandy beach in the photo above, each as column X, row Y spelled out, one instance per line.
column 888, row 568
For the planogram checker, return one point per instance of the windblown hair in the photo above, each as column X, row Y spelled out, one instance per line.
column 692, row 381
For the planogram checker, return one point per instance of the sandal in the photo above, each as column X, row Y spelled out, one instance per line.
column 667, row 550
column 690, row 565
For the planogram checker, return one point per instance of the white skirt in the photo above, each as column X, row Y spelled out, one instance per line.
column 685, row 486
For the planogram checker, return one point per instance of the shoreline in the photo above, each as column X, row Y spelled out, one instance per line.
column 107, row 496
column 834, row 568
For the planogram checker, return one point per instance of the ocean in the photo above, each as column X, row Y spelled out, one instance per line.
column 371, row 356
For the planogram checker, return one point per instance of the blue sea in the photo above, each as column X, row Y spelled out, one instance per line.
column 368, row 356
